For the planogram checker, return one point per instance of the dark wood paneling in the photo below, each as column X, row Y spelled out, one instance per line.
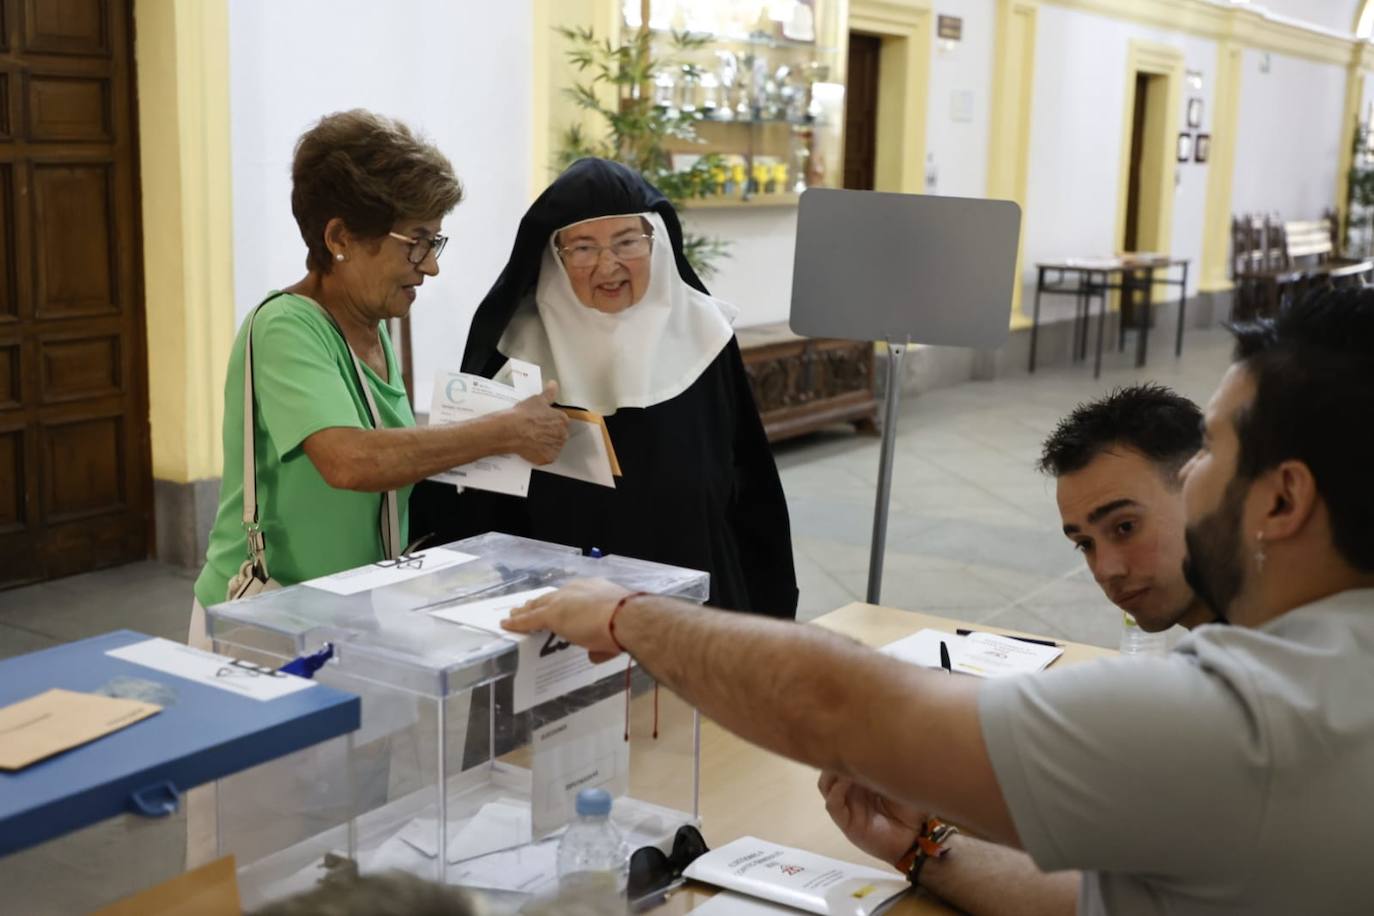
column 861, row 111
column 78, row 368
column 63, row 108
column 11, row 382
column 80, row 27
column 6, row 125
column 12, row 516
column 73, row 240
column 9, row 300
column 83, row 468
column 71, row 312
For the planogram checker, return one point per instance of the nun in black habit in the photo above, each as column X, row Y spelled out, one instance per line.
column 656, row 355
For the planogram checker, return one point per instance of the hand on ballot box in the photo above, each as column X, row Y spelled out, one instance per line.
column 580, row 612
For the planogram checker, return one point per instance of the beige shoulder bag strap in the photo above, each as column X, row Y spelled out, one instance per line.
column 252, row 576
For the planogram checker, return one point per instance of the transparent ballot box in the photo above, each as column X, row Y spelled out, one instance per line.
column 473, row 743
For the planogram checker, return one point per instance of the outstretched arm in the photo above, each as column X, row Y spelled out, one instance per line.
column 801, row 692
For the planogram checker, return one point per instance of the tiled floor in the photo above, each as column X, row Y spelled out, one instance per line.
column 973, row 533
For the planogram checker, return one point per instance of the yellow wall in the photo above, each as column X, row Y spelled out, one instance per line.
column 182, row 60
column 1221, row 167
column 1013, row 73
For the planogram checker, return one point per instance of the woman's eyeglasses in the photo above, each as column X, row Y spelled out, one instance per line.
column 422, row 246
column 585, row 254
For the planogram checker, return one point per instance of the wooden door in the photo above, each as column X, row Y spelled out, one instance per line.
column 861, row 111
column 75, row 476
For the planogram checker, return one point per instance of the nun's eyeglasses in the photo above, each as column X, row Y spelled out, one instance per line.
column 585, row 254
column 422, row 246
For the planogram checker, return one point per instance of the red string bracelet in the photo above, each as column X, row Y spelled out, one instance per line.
column 610, row 624
column 629, row 662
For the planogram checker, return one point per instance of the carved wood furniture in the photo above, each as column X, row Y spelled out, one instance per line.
column 802, row 384
column 1272, row 259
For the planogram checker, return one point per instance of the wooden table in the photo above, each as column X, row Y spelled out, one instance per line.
column 747, row 791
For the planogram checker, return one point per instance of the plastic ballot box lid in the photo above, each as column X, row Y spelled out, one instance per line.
column 217, row 718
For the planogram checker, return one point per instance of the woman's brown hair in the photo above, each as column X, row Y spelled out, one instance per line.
column 369, row 171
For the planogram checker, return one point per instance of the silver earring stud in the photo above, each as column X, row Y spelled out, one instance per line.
column 339, row 256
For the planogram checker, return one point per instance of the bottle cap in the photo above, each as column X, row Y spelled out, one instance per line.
column 593, row 803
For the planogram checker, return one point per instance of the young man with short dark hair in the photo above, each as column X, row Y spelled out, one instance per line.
column 1115, row 462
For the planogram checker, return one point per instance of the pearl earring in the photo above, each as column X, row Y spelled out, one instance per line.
column 1259, row 551
column 339, row 256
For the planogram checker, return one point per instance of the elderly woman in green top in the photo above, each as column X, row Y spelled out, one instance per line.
column 369, row 197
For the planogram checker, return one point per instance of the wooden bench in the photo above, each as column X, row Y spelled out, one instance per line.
column 802, row 384
column 1273, row 260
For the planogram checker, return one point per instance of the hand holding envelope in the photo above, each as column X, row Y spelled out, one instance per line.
column 458, row 396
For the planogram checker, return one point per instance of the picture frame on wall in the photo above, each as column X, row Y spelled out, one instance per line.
column 1184, row 150
column 1202, row 147
column 1195, row 112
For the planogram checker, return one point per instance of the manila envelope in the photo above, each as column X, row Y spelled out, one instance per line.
column 211, row 890
column 57, row 720
column 586, row 416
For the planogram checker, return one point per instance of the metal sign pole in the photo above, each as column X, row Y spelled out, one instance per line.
column 895, row 352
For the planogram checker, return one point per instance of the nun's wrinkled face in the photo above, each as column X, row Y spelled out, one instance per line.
column 607, row 260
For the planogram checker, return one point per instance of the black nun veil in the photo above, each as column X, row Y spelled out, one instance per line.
column 699, row 488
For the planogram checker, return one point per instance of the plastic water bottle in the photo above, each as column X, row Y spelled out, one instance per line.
column 592, row 855
column 1135, row 641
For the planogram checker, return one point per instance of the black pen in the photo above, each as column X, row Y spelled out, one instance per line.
column 1038, row 642
column 944, row 657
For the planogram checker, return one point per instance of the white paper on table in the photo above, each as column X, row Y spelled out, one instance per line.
column 460, row 396
column 547, row 667
column 243, row 678
column 499, row 825
column 979, row 654
column 529, row 869
column 728, row 903
column 586, row 750
column 797, row 878
column 584, row 456
column 488, row 613
column 389, row 572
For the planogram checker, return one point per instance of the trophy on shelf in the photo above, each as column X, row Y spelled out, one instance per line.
column 710, row 94
column 665, row 92
column 729, row 84
column 687, row 88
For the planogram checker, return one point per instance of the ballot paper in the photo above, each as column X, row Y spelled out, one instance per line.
column 547, row 667
column 529, row 869
column 499, row 825
column 389, row 572
column 460, row 396
column 488, row 613
column 796, row 878
column 979, row 654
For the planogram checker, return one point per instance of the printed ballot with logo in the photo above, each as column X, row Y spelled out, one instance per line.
column 474, row 742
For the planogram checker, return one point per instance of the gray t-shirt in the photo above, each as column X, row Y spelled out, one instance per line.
column 1234, row 776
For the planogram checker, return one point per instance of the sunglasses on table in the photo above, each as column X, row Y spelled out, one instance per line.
column 652, row 873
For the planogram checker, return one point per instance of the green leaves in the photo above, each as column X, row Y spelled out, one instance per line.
column 617, row 92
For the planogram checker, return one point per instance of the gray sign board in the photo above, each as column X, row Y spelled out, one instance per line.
column 905, row 268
